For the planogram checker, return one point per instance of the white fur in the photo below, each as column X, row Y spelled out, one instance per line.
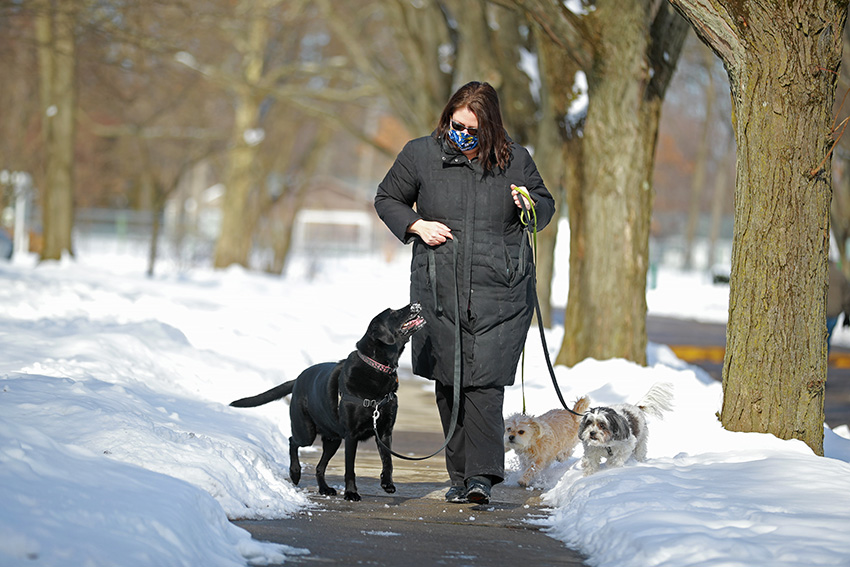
column 616, row 433
column 539, row 441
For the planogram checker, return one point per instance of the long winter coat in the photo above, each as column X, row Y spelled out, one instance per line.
column 484, row 273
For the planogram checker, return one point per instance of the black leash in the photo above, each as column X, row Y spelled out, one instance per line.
column 530, row 224
column 457, row 374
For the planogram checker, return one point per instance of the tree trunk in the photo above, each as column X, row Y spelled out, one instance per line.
column 606, row 310
column 237, row 221
column 157, row 210
column 782, row 60
column 235, row 240
column 54, row 24
column 293, row 199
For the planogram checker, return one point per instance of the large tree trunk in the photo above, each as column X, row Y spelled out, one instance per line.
column 782, row 60
column 54, row 24
column 606, row 310
column 238, row 219
column 236, row 237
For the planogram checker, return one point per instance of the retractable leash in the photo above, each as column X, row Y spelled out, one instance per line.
column 457, row 376
column 528, row 218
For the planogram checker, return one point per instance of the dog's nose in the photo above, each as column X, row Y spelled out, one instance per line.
column 510, row 438
column 593, row 435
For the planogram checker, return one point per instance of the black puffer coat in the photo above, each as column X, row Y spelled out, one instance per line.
column 493, row 281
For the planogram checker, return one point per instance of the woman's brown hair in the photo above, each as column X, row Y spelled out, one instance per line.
column 494, row 149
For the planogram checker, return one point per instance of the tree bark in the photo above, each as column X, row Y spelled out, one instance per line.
column 782, row 60
column 54, row 24
column 236, row 236
column 610, row 218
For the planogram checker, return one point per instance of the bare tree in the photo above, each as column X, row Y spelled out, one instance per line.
column 55, row 27
column 19, row 126
column 251, row 41
column 628, row 51
column 156, row 117
column 418, row 53
column 783, row 61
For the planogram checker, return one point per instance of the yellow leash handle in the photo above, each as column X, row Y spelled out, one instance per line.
column 528, row 217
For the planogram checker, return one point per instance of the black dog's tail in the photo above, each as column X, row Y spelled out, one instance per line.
column 275, row 393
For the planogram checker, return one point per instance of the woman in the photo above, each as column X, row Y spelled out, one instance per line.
column 471, row 267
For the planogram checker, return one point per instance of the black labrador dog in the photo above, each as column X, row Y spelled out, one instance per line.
column 337, row 400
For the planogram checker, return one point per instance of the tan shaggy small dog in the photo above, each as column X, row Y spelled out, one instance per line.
column 539, row 441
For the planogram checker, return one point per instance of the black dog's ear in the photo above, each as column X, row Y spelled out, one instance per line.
column 379, row 329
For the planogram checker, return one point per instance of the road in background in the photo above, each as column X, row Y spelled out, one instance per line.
column 704, row 344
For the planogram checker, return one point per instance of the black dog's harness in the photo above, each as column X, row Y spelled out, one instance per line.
column 367, row 402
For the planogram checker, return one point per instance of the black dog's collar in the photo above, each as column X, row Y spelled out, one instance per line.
column 376, row 365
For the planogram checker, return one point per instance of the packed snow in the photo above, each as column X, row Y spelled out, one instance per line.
column 117, row 445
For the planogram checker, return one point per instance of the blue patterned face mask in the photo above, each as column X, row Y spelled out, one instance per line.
column 463, row 140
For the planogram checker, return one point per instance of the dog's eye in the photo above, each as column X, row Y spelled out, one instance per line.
column 521, row 431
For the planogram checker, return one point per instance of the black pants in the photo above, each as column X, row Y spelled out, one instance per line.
column 477, row 447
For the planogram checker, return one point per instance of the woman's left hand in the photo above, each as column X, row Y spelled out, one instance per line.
column 517, row 196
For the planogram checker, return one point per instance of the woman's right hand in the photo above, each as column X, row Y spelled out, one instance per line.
column 432, row 233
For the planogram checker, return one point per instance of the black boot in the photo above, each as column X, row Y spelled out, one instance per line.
column 478, row 489
column 457, row 494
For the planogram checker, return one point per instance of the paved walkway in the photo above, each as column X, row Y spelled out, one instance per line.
column 415, row 526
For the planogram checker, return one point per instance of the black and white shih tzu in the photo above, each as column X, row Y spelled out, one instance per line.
column 615, row 433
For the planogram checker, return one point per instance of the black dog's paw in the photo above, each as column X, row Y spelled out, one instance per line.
column 327, row 491
column 389, row 488
column 352, row 496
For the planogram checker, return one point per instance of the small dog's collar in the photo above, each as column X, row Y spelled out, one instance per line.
column 375, row 364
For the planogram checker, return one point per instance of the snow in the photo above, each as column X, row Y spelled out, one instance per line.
column 117, row 445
